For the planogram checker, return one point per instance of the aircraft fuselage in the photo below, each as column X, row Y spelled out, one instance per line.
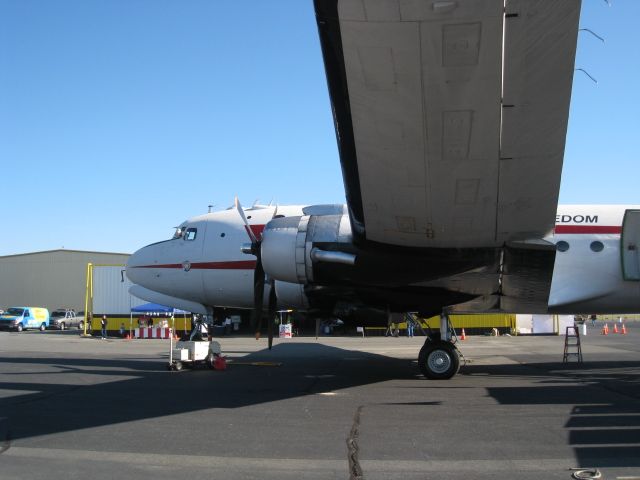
column 593, row 271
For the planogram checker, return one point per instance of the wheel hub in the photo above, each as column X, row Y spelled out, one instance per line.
column 439, row 361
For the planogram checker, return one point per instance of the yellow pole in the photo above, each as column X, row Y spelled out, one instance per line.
column 91, row 296
column 86, row 300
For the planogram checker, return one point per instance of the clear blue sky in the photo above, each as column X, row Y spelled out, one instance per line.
column 121, row 118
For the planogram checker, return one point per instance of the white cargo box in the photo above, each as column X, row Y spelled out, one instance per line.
column 196, row 350
column 181, row 354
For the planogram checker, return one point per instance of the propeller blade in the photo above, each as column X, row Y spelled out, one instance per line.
column 258, row 298
column 247, row 227
column 273, row 305
column 270, row 331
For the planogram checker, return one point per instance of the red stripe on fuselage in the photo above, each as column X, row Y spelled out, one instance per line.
column 237, row 265
column 586, row 229
column 233, row 265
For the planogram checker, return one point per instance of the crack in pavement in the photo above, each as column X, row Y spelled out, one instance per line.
column 355, row 470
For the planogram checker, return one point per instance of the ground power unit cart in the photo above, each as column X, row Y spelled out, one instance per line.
column 194, row 353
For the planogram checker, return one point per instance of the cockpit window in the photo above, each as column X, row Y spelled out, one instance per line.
column 190, row 234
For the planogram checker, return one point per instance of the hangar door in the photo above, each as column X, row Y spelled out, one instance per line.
column 630, row 244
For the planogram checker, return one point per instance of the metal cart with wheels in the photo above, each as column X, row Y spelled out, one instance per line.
column 194, row 353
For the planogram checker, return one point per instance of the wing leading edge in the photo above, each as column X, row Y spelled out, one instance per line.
column 451, row 116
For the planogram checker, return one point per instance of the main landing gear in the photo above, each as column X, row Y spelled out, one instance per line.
column 439, row 358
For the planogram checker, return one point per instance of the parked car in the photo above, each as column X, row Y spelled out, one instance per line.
column 21, row 318
column 80, row 316
column 64, row 318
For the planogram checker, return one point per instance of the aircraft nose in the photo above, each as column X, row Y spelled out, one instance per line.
column 139, row 268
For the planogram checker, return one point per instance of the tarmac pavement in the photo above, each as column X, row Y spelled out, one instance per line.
column 343, row 407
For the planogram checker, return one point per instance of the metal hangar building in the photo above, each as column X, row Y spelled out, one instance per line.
column 51, row 279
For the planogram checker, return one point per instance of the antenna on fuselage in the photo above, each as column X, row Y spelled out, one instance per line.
column 592, row 33
column 587, row 74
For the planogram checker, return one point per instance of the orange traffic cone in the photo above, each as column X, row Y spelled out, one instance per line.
column 463, row 336
column 605, row 329
column 615, row 328
column 623, row 331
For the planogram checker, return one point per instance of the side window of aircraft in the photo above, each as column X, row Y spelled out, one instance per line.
column 178, row 233
column 596, row 246
column 190, row 234
column 562, row 246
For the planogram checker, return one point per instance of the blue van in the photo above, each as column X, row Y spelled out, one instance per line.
column 21, row 318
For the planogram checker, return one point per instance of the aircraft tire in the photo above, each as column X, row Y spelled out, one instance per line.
column 438, row 360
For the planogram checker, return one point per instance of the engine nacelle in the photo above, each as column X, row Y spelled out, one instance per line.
column 291, row 295
column 287, row 248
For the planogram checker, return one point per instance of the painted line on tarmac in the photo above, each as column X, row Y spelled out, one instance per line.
column 473, row 466
column 166, row 459
column 255, row 364
column 295, row 464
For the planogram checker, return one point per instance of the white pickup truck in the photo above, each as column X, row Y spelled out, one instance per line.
column 63, row 318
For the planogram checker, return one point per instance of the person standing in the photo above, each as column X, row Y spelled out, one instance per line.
column 227, row 325
column 103, row 325
column 410, row 327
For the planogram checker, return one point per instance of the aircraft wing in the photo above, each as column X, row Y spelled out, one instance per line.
column 450, row 116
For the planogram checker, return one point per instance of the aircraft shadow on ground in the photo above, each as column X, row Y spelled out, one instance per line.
column 70, row 404
column 601, row 429
column 606, row 405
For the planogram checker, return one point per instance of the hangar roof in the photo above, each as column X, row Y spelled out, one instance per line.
column 63, row 250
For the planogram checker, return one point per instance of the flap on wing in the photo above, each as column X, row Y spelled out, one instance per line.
column 441, row 146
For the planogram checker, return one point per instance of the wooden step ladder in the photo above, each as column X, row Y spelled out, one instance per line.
column 572, row 346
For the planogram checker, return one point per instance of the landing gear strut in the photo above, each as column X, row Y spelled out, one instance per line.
column 439, row 358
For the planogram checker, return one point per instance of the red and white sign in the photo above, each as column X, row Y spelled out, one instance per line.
column 285, row 331
column 152, row 332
